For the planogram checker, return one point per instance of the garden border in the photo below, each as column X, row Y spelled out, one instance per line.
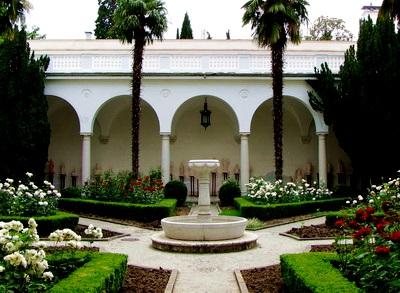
column 313, row 272
column 109, row 268
column 47, row 224
column 122, row 210
column 248, row 209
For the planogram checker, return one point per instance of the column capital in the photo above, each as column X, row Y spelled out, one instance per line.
column 322, row 133
column 244, row 134
column 165, row 133
column 86, row 133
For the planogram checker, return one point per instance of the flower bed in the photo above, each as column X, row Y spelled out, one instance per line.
column 249, row 209
column 264, row 192
column 121, row 210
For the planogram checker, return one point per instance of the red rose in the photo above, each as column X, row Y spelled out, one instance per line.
column 370, row 210
column 382, row 250
column 380, row 227
column 339, row 223
column 364, row 231
column 395, row 237
column 359, row 212
column 353, row 224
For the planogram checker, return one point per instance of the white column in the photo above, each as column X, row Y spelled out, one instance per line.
column 322, row 163
column 85, row 157
column 165, row 158
column 244, row 162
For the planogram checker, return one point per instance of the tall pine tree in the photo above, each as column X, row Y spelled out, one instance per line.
column 362, row 107
column 104, row 20
column 25, row 130
column 186, row 30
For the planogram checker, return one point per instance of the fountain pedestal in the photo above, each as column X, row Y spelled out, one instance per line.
column 203, row 168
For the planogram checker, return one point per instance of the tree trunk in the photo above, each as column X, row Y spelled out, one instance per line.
column 136, row 109
column 277, row 88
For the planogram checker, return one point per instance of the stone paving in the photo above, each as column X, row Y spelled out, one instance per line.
column 200, row 273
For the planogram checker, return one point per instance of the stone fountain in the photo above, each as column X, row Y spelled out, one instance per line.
column 204, row 232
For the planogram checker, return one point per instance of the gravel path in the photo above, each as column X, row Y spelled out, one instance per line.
column 204, row 272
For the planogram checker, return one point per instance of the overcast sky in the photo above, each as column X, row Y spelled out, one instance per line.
column 69, row 19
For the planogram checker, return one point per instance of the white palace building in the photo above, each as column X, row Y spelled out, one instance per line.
column 88, row 88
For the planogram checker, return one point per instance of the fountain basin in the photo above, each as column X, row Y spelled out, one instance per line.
column 195, row 228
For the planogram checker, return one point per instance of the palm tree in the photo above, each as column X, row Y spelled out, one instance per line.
column 390, row 8
column 140, row 21
column 274, row 22
column 12, row 12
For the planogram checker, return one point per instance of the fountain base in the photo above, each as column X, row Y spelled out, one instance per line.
column 246, row 241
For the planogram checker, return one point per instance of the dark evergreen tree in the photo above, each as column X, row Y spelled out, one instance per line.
column 177, row 33
column 25, row 130
column 186, row 30
column 362, row 106
column 104, row 20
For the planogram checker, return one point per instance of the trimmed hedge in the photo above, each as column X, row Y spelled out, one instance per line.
column 121, row 210
column 248, row 209
column 313, row 272
column 105, row 272
column 48, row 224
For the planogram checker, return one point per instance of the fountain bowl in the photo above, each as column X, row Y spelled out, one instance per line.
column 210, row 228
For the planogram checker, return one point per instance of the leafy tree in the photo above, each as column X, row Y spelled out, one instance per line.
column 362, row 105
column 329, row 28
column 104, row 20
column 138, row 21
column 34, row 34
column 275, row 22
column 186, row 30
column 390, row 9
column 25, row 130
column 12, row 12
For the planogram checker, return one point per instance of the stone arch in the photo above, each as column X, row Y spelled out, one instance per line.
column 211, row 100
column 111, row 138
column 65, row 140
column 299, row 146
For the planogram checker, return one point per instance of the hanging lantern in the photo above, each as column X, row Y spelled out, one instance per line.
column 205, row 116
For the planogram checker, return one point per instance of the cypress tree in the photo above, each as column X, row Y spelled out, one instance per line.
column 177, row 33
column 25, row 130
column 186, row 30
column 362, row 107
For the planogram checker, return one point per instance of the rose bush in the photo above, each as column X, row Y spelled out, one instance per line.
column 373, row 260
column 260, row 190
column 27, row 199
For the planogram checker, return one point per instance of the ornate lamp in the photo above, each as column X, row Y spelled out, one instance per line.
column 205, row 116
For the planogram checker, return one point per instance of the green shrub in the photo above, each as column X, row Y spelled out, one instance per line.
column 4, row 203
column 71, row 192
column 120, row 210
column 228, row 191
column 48, row 224
column 230, row 212
column 249, row 209
column 105, row 272
column 176, row 189
column 313, row 272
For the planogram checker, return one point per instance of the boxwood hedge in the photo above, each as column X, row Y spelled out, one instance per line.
column 313, row 272
column 48, row 224
column 104, row 272
column 249, row 209
column 121, row 210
